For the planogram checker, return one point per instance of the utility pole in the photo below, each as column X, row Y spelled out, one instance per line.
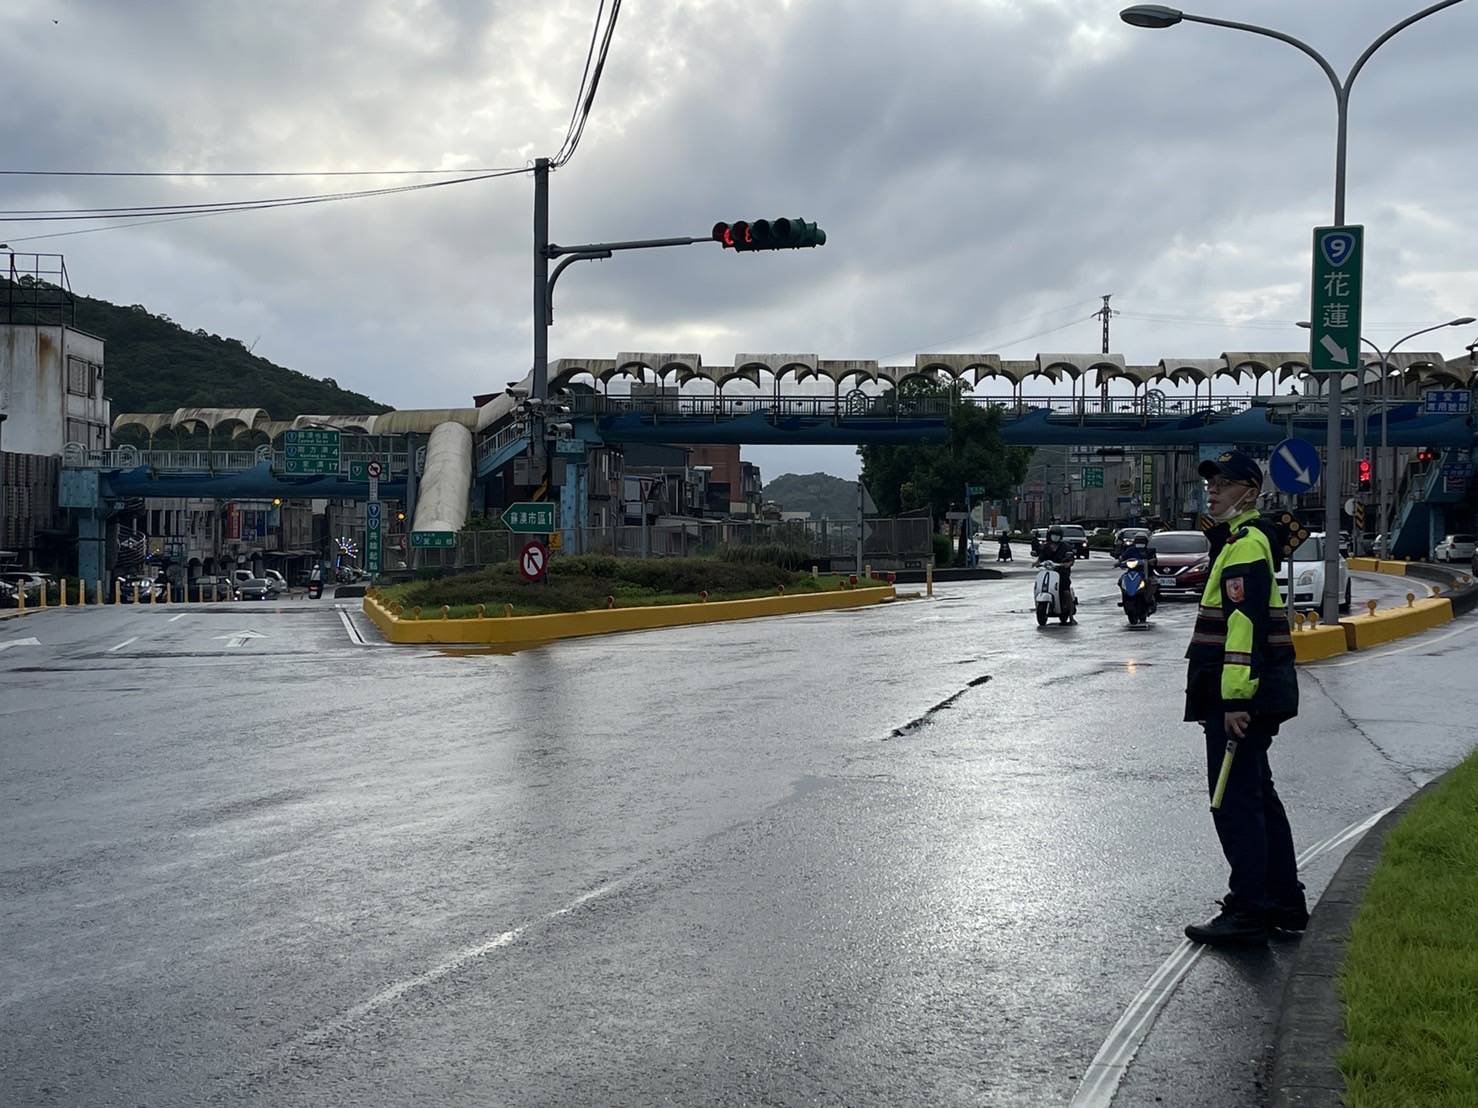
column 1105, row 313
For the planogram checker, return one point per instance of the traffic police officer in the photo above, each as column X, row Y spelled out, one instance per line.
column 1241, row 685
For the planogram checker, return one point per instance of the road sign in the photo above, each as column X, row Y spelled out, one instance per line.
column 373, row 469
column 570, row 446
column 975, row 490
column 1295, row 466
column 1125, row 487
column 533, row 559
column 1358, row 515
column 373, row 534
column 1349, row 505
column 1447, row 402
column 310, row 452
column 1093, row 477
column 433, row 539
column 530, row 517
column 1334, row 337
column 556, row 540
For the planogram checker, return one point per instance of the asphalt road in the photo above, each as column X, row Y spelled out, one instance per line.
column 923, row 854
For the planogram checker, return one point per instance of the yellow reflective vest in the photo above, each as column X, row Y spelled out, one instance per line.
column 1241, row 652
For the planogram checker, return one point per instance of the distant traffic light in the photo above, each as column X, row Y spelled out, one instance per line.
column 768, row 234
column 1426, row 454
column 1365, row 474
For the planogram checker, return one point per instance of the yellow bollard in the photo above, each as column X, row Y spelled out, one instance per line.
column 81, row 593
column 117, row 591
column 482, row 610
column 507, row 611
column 1410, row 599
column 136, row 593
column 929, row 579
column 62, row 594
column 43, row 594
column 20, row 596
column 1371, row 605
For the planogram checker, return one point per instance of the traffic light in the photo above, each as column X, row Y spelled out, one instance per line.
column 768, row 234
column 1426, row 454
column 1364, row 474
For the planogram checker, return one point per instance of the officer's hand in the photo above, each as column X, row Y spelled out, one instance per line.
column 1236, row 723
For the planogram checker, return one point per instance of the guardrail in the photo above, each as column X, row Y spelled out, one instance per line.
column 208, row 461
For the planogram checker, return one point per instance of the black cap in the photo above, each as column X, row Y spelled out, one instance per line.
column 1234, row 466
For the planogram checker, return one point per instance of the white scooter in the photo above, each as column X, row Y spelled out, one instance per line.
column 1047, row 592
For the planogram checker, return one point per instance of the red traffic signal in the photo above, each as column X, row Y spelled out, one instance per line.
column 1365, row 471
column 1426, row 454
column 768, row 234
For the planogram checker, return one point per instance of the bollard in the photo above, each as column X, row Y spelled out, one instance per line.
column 507, row 611
column 20, row 596
column 929, row 578
column 43, row 594
column 117, row 591
column 62, row 594
column 815, row 571
column 1298, row 621
column 416, row 612
column 1313, row 620
column 1371, row 605
column 136, row 592
column 99, row 594
column 1410, row 599
column 703, row 597
column 867, row 572
column 446, row 611
column 482, row 610
column 610, row 601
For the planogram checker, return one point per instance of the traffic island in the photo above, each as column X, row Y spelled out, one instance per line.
column 513, row 630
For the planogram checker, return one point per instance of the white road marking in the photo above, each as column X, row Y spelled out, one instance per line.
column 124, row 643
column 240, row 638
column 448, row 965
column 173, row 618
column 1364, row 657
column 1101, row 1079
column 32, row 641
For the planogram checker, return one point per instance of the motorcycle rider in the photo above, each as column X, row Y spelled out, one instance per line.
column 1004, row 553
column 1056, row 550
column 1140, row 549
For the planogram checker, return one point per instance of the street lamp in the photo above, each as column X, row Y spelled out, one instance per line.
column 1157, row 16
column 1388, row 466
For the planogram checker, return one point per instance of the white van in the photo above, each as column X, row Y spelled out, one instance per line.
column 238, row 576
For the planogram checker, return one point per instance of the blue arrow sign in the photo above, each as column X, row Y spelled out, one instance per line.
column 1295, row 466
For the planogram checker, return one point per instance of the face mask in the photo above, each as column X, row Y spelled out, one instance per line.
column 1238, row 507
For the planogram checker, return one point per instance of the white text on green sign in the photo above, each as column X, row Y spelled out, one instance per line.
column 1334, row 331
column 530, row 517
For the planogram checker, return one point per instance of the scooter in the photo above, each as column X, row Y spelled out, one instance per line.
column 1134, row 592
column 1047, row 591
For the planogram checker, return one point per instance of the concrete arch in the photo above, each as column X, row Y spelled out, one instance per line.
column 150, row 422
column 212, row 419
column 838, row 370
column 957, row 366
column 364, row 423
column 661, row 364
column 566, row 370
column 777, row 366
column 1078, row 365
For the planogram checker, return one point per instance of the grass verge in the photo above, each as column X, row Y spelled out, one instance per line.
column 1410, row 980
column 579, row 584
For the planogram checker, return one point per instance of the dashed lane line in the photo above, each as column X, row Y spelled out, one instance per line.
column 124, row 643
column 1102, row 1077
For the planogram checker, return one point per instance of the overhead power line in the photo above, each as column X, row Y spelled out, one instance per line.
column 589, row 82
column 44, row 215
column 246, row 173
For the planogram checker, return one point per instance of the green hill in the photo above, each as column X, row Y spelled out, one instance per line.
column 820, row 494
column 152, row 364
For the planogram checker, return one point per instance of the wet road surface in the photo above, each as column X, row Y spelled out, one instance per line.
column 246, row 859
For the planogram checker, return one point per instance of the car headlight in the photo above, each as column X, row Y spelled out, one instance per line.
column 1306, row 577
column 1202, row 566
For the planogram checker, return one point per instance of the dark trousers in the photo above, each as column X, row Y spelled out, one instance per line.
column 1251, row 823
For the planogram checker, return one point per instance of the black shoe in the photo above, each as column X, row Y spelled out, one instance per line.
column 1291, row 915
column 1230, row 927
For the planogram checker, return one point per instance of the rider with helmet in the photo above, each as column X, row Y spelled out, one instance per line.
column 1056, row 550
column 1140, row 549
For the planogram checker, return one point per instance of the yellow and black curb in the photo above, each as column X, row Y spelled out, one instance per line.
column 510, row 630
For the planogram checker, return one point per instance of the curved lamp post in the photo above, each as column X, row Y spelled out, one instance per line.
column 1159, row 16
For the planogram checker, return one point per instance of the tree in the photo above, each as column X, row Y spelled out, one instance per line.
column 934, row 475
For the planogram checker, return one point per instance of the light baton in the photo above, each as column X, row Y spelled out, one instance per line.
column 1226, row 771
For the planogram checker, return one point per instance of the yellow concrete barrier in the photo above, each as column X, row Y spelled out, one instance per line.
column 1318, row 643
column 1386, row 624
column 1363, row 565
column 1395, row 569
column 531, row 630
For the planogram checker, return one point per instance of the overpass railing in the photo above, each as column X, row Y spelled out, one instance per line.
column 74, row 456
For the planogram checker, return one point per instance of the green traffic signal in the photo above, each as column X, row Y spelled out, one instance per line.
column 768, row 234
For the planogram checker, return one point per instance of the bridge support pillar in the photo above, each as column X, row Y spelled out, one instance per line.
column 91, row 543
column 574, row 499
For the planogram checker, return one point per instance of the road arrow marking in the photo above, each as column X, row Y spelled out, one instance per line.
column 1298, row 471
column 20, row 642
column 1336, row 351
column 240, row 638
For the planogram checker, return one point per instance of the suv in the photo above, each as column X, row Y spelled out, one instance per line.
column 1077, row 538
column 1454, row 548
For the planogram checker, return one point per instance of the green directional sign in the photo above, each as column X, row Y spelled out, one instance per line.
column 1334, row 320
column 975, row 490
column 310, row 452
column 530, row 517
column 1093, row 477
column 425, row 540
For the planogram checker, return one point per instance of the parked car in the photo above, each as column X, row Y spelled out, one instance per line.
column 273, row 575
column 1183, row 562
column 1454, row 548
column 257, row 588
column 1307, row 564
column 212, row 588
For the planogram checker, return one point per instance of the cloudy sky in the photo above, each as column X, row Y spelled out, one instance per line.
column 985, row 170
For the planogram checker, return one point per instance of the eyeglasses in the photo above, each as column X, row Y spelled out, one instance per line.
column 1215, row 483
